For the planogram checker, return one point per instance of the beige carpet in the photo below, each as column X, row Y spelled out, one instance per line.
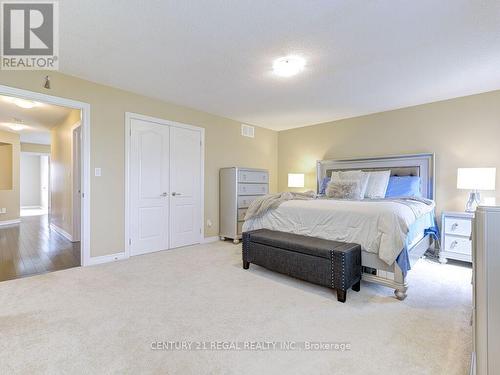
column 103, row 319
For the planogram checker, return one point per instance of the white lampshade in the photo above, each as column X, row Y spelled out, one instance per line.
column 296, row 180
column 476, row 178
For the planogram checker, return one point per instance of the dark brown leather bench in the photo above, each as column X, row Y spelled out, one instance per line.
column 329, row 263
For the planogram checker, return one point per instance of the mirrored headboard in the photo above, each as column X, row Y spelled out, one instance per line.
column 402, row 165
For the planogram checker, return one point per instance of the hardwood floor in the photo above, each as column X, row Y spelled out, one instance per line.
column 31, row 248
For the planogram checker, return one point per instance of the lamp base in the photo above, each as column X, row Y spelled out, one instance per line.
column 473, row 202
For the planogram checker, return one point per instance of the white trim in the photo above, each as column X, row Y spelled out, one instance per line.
column 128, row 117
column 74, row 198
column 106, row 258
column 10, row 222
column 61, row 231
column 85, row 119
column 35, row 153
column 210, row 239
column 31, row 207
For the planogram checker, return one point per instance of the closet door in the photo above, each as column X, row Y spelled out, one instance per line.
column 185, row 187
column 149, row 187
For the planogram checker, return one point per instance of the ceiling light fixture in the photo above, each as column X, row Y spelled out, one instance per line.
column 16, row 127
column 288, row 66
column 21, row 103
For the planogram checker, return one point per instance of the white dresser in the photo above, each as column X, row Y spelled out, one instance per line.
column 456, row 230
column 238, row 187
column 486, row 292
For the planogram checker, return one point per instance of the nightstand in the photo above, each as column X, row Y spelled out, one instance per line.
column 456, row 230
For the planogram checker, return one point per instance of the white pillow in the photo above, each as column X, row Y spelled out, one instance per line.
column 359, row 175
column 344, row 189
column 377, row 184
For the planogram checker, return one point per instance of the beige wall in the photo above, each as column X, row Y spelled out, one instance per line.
column 35, row 147
column 224, row 147
column 61, row 173
column 462, row 132
column 9, row 199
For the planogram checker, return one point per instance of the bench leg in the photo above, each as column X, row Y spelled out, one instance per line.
column 356, row 287
column 246, row 265
column 341, row 295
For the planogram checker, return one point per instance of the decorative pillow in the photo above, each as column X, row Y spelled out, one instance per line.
column 344, row 189
column 359, row 175
column 377, row 184
column 405, row 186
column 324, row 184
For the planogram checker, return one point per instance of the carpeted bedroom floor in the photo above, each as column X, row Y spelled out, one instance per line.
column 103, row 319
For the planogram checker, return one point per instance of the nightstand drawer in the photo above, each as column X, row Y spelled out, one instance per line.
column 455, row 244
column 457, row 226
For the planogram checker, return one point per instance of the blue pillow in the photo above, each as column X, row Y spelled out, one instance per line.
column 407, row 186
column 324, row 184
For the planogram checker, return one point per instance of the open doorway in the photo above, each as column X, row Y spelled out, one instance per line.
column 41, row 211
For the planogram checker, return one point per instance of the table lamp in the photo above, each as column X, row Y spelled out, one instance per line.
column 296, row 180
column 475, row 179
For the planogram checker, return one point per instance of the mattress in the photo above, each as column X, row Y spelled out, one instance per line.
column 384, row 227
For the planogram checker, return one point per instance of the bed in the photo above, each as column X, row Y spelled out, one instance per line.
column 393, row 233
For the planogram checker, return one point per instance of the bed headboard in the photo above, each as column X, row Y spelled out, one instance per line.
column 403, row 165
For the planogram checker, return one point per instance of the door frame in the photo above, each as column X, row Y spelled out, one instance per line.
column 86, row 259
column 74, row 198
column 129, row 116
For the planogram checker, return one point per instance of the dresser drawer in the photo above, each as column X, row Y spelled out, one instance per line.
column 244, row 201
column 455, row 244
column 241, row 213
column 252, row 189
column 253, row 176
column 457, row 226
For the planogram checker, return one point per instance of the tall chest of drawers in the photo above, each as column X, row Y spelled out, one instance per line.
column 238, row 187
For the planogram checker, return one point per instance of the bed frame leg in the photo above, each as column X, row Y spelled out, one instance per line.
column 246, row 265
column 341, row 295
column 356, row 287
column 400, row 293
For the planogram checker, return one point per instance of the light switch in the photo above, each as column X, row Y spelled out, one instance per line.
column 98, row 172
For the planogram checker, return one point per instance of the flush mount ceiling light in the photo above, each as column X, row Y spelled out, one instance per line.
column 16, row 127
column 288, row 66
column 21, row 103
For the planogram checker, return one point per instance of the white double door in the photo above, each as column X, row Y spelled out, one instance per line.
column 165, row 191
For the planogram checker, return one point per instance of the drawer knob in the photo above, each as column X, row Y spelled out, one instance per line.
column 454, row 226
column 453, row 244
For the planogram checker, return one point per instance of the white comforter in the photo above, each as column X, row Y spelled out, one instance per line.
column 379, row 226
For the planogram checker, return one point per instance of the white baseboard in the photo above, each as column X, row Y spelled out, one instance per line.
column 210, row 239
column 10, row 222
column 61, row 231
column 31, row 207
column 105, row 259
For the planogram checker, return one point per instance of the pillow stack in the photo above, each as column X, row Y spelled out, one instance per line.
column 356, row 185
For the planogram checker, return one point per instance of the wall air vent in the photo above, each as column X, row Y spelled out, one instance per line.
column 247, row 131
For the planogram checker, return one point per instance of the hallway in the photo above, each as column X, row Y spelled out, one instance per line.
column 31, row 248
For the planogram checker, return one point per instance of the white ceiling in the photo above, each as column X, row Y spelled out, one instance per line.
column 216, row 56
column 38, row 120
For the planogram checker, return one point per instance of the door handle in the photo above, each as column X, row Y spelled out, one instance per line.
column 174, row 194
column 164, row 195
